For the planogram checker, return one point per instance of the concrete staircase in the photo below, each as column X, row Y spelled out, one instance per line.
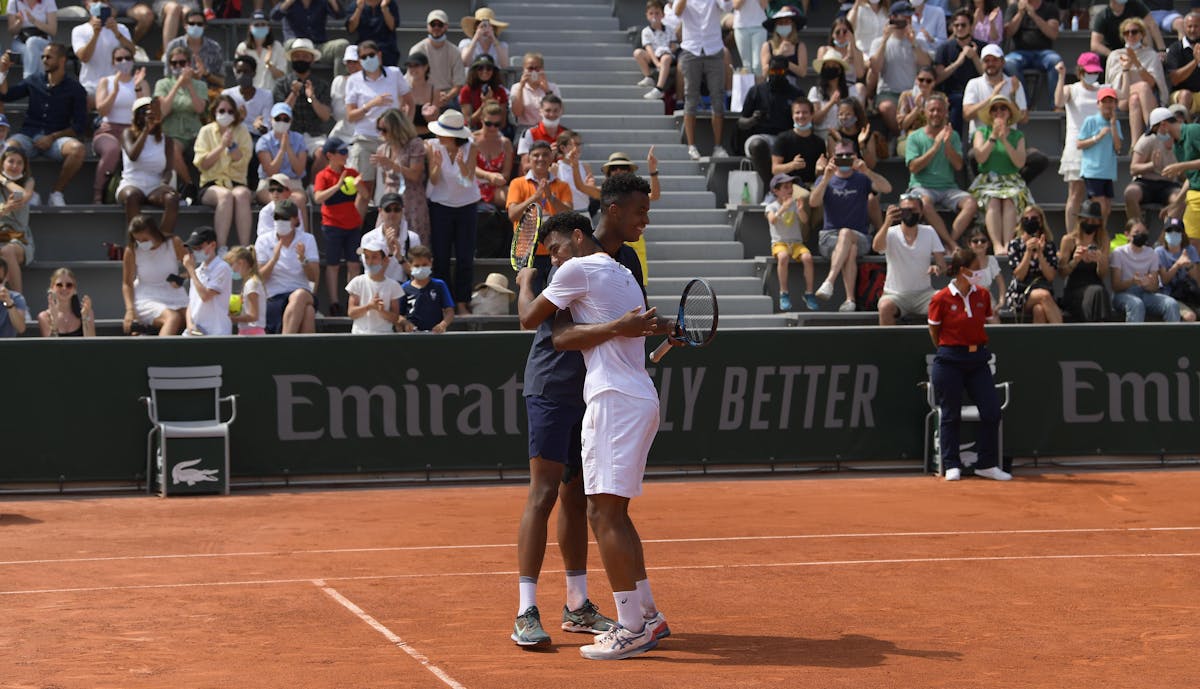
column 688, row 235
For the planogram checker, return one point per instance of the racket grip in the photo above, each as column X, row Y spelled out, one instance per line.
column 657, row 355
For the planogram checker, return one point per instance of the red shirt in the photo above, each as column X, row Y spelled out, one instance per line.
column 474, row 97
column 338, row 210
column 962, row 319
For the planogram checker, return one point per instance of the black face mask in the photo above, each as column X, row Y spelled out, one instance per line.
column 909, row 218
column 1089, row 228
column 1031, row 226
column 1140, row 239
column 301, row 66
column 778, row 82
column 830, row 74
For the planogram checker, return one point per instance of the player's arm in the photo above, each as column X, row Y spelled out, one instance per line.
column 571, row 336
column 532, row 310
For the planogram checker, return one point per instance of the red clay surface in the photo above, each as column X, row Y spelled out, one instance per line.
column 1085, row 580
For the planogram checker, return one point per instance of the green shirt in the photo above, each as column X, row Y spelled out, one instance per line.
column 1188, row 148
column 998, row 161
column 184, row 122
column 938, row 174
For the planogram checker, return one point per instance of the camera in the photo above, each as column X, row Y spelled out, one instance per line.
column 1092, row 247
column 105, row 13
column 14, row 58
column 176, row 280
column 899, row 23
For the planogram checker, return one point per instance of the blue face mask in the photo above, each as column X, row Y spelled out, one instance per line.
column 195, row 31
column 1174, row 239
column 374, row 268
column 370, row 64
column 200, row 255
column 260, row 32
column 422, row 272
column 845, row 168
column 438, row 39
column 801, row 127
column 96, row 8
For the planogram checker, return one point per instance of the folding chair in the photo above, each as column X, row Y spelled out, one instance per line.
column 193, row 442
column 969, row 413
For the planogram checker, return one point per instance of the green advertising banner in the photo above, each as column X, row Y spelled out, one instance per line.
column 349, row 404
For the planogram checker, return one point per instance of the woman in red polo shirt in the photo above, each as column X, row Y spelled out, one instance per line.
column 957, row 314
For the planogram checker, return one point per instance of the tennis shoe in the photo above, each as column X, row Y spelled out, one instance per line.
column 810, row 300
column 693, row 153
column 586, row 620
column 825, row 291
column 658, row 623
column 653, row 94
column 646, row 81
column 527, row 631
column 619, row 643
column 994, row 473
column 785, row 302
column 848, row 306
column 953, row 474
column 719, row 152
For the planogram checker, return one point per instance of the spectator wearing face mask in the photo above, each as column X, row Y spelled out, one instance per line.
column 1136, row 72
column 832, row 87
column 1181, row 265
column 1107, row 26
column 1079, row 100
column 223, row 154
column 93, row 43
column 798, row 153
column 369, row 94
column 547, row 129
column 1033, row 257
column 446, row 71
column 115, row 96
column 255, row 103
column 1138, row 279
column 374, row 298
column 145, row 153
column 154, row 294
column 308, row 21
column 308, row 96
column 530, row 90
column 211, row 285
column 766, row 113
column 289, row 265
column 1152, row 154
column 1085, row 297
column 908, row 245
column 428, row 304
column 1101, row 141
column 375, row 21
column 172, row 14
column 268, row 53
column 393, row 230
column 895, row 56
column 929, row 23
column 282, row 159
column 784, row 41
column 209, row 57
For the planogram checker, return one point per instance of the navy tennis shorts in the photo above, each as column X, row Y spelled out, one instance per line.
column 555, row 431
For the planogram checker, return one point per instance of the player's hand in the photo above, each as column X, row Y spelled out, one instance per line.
column 525, row 276
column 638, row 323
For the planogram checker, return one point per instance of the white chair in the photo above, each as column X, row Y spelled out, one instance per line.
column 185, row 409
column 969, row 413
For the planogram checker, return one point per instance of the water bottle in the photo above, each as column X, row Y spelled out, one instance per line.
column 1074, row 22
column 745, row 193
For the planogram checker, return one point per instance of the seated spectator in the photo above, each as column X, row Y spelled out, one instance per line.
column 869, row 19
column 57, row 115
column 1164, row 15
column 369, row 94
column 67, row 315
column 13, row 309
column 929, row 23
column 987, row 21
column 1138, row 279
column 1151, row 155
column 308, row 21
column 392, row 229
column 428, row 304
column 150, row 280
column 908, row 245
column 183, row 99
column 658, row 46
column 484, row 83
column 492, row 296
column 401, row 157
column 342, row 128
column 1180, row 263
column 912, row 105
column 1136, row 72
column 934, row 156
column 1108, row 26
column 999, row 149
column 798, row 153
column 702, row 59
column 1186, row 139
column 1085, row 297
column 530, row 90
column 375, row 21
column 990, row 271
column 1033, row 257
column 282, row 152
column 833, row 86
column 278, row 189
column 787, row 219
column 289, row 265
column 841, row 41
column 270, row 58
column 494, row 155
column 576, row 173
column 546, row 131
column 767, row 113
column 453, row 195
column 115, row 95
column 1079, row 100
column 1181, row 62
column 483, row 38
column 211, row 285
column 446, row 71
column 896, row 56
column 145, row 150
column 308, row 96
column 1100, row 141
column 251, row 316
column 853, row 127
column 93, row 43
column 336, row 189
column 427, row 102
column 16, row 236
column 208, row 55
column 992, row 82
column 223, row 154
column 783, row 40
column 957, row 61
column 255, row 103
column 32, row 25
column 374, row 301
column 1033, row 26
column 842, row 190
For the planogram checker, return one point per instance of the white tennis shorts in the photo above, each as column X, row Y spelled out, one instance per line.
column 617, row 433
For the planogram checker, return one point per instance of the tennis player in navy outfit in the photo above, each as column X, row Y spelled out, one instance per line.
column 957, row 315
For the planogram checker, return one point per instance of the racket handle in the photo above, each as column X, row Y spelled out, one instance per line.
column 657, row 355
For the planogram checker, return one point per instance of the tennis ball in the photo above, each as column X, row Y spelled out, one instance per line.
column 235, row 304
column 349, row 186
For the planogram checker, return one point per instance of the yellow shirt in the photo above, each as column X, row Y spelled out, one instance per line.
column 226, row 172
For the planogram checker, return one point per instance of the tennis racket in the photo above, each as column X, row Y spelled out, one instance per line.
column 525, row 238
column 697, row 323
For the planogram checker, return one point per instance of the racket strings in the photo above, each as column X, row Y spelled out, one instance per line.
column 699, row 311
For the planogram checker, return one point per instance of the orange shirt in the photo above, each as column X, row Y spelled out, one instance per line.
column 522, row 188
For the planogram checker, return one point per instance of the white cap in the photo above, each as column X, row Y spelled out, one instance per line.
column 373, row 242
column 351, row 54
column 439, row 15
column 992, row 50
column 1158, row 115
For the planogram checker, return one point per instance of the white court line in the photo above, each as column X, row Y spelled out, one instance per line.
column 429, row 575
column 792, row 537
column 388, row 634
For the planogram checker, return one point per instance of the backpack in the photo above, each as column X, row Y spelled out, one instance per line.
column 869, row 287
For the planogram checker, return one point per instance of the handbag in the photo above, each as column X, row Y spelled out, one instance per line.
column 744, row 186
column 742, row 82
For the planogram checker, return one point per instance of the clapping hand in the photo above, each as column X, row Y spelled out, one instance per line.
column 300, row 251
column 651, row 161
column 1183, row 261
column 381, row 99
column 138, row 77
column 227, row 138
column 1148, row 282
column 864, row 135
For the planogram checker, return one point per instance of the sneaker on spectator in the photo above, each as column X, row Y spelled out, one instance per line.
column 620, row 643
column 785, row 302
column 953, row 474
column 653, row 94
column 693, row 153
column 36, row 199
column 57, row 200
column 810, row 300
column 720, row 152
column 825, row 291
column 646, row 81
column 527, row 630
column 847, row 306
column 994, row 473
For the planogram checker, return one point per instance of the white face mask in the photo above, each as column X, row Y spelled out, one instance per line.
column 281, row 128
column 422, row 272
column 551, row 124
column 1136, row 45
column 145, row 246
column 124, row 67
column 284, row 230
column 784, row 29
column 224, row 119
column 1091, row 79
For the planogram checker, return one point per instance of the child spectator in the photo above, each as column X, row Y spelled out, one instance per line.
column 336, row 189
column 428, row 304
column 16, row 237
column 492, row 296
column 547, row 130
column 401, row 157
column 251, row 316
column 211, row 285
column 1151, row 156
column 485, row 83
column 1079, row 100
column 13, row 308
column 785, row 217
column 269, row 56
column 150, row 280
column 67, row 315
column 289, row 265
column 658, row 45
column 223, row 152
column 1100, row 141
column 374, row 302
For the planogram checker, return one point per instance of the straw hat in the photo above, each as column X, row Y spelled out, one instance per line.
column 986, row 113
column 498, row 282
column 831, row 56
column 482, row 14
column 303, row 45
column 619, row 160
column 450, row 123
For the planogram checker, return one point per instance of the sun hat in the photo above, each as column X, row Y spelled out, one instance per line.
column 303, row 45
column 450, row 123
column 619, row 159
column 137, row 105
column 787, row 11
column 483, row 14
column 986, row 113
column 831, row 56
column 498, row 282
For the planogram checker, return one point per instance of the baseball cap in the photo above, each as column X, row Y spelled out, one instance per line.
column 373, row 242
column 437, row 15
column 1159, row 115
column 286, row 210
column 281, row 179
column 1180, row 111
column 351, row 54
column 1107, row 92
column 992, row 50
column 4, row 120
column 259, row 16
column 419, row 59
column 1090, row 62
column 1090, row 210
column 780, row 179
column 901, row 8
column 390, row 198
column 201, row 236
column 335, row 145
column 281, row 108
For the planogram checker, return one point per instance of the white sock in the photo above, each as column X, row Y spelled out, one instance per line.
column 648, row 607
column 629, row 610
column 576, row 588
column 528, row 588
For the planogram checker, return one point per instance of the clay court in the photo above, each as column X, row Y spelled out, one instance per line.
column 1053, row 580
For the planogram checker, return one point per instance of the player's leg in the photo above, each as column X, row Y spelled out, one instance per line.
column 579, row 614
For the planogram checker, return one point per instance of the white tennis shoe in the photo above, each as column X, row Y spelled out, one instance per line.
column 620, row 643
column 994, row 473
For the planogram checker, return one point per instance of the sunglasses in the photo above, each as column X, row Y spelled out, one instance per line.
column 979, row 240
column 392, row 209
column 175, row 63
column 1132, row 32
column 363, row 56
column 437, row 25
column 491, row 124
column 123, row 58
column 283, row 118
column 65, row 285
column 224, row 111
column 276, row 190
column 195, row 23
column 924, row 81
